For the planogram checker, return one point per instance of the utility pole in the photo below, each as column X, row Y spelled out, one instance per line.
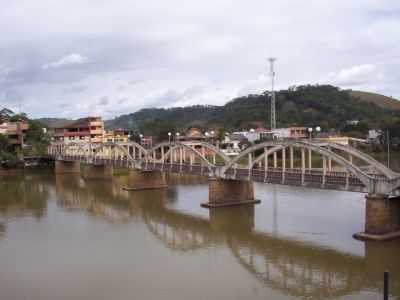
column 272, row 74
column 388, row 148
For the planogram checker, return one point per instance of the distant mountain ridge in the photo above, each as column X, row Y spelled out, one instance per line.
column 54, row 122
column 6, row 113
column 311, row 105
column 308, row 105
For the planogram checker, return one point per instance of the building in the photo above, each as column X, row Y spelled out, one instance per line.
column 118, row 135
column 343, row 140
column 146, row 142
column 90, row 129
column 193, row 134
column 252, row 135
column 3, row 128
column 233, row 144
column 285, row 133
column 374, row 134
column 15, row 131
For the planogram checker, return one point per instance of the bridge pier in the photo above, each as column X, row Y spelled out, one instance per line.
column 382, row 218
column 228, row 192
column 98, row 171
column 146, row 180
column 67, row 167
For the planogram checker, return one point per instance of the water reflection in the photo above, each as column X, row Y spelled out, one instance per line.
column 26, row 196
column 293, row 268
column 98, row 198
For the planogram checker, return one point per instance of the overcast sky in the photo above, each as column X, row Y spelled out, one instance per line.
column 74, row 58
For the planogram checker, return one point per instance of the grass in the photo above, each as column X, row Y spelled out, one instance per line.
column 379, row 100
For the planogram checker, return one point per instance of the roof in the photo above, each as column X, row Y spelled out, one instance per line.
column 82, row 122
column 261, row 130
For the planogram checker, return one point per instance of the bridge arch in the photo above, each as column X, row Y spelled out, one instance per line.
column 363, row 157
column 170, row 145
column 367, row 180
column 80, row 150
column 151, row 155
column 110, row 147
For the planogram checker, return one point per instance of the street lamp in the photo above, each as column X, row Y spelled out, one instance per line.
column 317, row 129
column 141, row 137
column 212, row 136
column 177, row 136
column 310, row 130
column 169, row 137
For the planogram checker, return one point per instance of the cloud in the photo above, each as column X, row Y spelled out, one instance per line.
column 71, row 59
column 3, row 70
column 361, row 77
column 104, row 101
column 122, row 101
column 166, row 54
column 3, row 73
column 354, row 74
column 75, row 88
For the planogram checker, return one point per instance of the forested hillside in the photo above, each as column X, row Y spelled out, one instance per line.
column 323, row 105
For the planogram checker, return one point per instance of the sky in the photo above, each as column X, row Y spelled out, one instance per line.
column 73, row 58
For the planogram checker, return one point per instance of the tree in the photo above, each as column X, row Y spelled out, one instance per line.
column 36, row 139
column 8, row 156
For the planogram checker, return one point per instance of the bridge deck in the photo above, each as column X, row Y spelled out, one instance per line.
column 290, row 176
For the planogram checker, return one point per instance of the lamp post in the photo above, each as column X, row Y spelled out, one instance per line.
column 141, row 137
column 310, row 132
column 207, row 135
column 169, row 137
column 317, row 130
column 177, row 136
column 212, row 136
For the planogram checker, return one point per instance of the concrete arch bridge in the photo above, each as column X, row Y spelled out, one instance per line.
column 290, row 162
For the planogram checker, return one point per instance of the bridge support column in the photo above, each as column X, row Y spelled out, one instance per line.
column 146, row 180
column 382, row 218
column 227, row 192
column 98, row 172
column 67, row 167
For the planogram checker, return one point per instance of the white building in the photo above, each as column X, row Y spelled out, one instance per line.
column 251, row 135
column 374, row 134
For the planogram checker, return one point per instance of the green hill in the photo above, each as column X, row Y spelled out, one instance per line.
column 310, row 105
column 54, row 122
column 377, row 99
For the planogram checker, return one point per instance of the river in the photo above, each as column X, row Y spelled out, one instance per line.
column 62, row 237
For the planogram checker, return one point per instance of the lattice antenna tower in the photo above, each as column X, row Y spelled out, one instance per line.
column 272, row 75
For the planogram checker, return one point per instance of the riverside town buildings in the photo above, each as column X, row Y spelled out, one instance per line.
column 116, row 136
column 90, row 129
column 15, row 131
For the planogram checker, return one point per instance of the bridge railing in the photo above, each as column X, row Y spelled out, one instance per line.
column 180, row 158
